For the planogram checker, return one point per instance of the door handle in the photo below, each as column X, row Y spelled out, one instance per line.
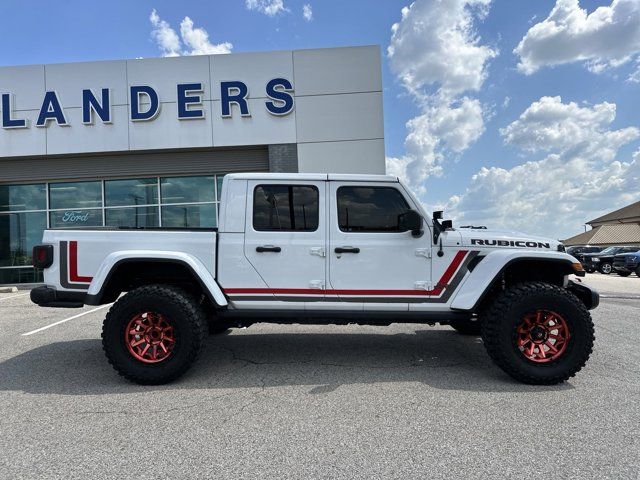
column 347, row 250
column 268, row 248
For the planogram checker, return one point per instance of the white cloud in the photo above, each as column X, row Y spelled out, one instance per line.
column 579, row 179
column 550, row 125
column 195, row 41
column 606, row 38
column 634, row 77
column 443, row 127
column 435, row 43
column 271, row 8
column 436, row 54
column 307, row 12
column 165, row 36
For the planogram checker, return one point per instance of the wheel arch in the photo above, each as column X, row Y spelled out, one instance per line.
column 123, row 271
column 508, row 267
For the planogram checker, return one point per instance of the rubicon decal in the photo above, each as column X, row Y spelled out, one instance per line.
column 69, row 277
column 441, row 293
column 509, row 243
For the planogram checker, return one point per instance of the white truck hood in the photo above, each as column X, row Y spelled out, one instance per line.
column 505, row 239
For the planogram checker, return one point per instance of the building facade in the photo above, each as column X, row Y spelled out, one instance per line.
column 620, row 227
column 146, row 142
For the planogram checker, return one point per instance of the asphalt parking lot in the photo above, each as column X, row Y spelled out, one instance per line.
column 404, row 401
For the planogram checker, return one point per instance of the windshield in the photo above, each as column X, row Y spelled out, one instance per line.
column 609, row 250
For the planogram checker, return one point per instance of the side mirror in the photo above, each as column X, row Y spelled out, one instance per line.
column 447, row 224
column 437, row 215
column 410, row 220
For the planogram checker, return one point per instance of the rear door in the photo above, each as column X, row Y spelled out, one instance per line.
column 285, row 240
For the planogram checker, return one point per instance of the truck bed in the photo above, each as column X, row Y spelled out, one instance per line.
column 80, row 255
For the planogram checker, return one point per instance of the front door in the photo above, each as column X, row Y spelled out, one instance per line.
column 285, row 240
column 373, row 264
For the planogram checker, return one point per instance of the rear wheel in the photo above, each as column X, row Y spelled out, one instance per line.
column 153, row 334
column 538, row 333
column 466, row 327
column 605, row 268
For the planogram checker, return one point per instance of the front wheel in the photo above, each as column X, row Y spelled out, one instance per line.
column 538, row 333
column 605, row 268
column 153, row 334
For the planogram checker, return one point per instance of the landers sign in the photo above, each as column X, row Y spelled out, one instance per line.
column 145, row 103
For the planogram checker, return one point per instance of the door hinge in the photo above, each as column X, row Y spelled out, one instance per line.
column 422, row 286
column 316, row 284
column 423, row 252
column 319, row 251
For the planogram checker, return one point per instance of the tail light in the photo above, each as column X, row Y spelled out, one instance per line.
column 42, row 256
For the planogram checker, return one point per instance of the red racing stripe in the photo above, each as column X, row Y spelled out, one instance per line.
column 440, row 286
column 73, row 265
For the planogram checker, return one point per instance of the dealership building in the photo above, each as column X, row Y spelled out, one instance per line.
column 146, row 142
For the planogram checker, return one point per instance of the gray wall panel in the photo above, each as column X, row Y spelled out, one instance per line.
column 134, row 164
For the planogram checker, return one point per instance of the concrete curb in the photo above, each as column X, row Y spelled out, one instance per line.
column 621, row 297
column 8, row 289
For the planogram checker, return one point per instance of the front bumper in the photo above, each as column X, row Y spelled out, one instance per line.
column 586, row 294
column 49, row 297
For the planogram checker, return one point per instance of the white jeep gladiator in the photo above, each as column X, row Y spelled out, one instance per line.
column 321, row 249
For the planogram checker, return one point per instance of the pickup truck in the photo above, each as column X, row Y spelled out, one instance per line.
column 321, row 249
column 625, row 264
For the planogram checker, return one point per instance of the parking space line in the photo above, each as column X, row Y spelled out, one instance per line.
column 14, row 296
column 66, row 320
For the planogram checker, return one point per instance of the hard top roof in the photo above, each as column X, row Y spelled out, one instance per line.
column 318, row 177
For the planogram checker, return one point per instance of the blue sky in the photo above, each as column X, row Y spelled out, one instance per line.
column 563, row 185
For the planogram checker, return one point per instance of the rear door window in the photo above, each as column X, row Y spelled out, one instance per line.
column 287, row 208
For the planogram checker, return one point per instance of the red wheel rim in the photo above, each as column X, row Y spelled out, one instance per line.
column 150, row 338
column 543, row 336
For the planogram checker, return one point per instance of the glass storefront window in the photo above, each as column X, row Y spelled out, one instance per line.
column 75, row 218
column 180, row 202
column 19, row 232
column 75, row 195
column 12, row 276
column 192, row 216
column 141, row 191
column 219, row 179
column 142, row 217
column 23, row 197
column 187, row 189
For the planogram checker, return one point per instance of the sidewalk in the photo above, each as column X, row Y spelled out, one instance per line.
column 613, row 286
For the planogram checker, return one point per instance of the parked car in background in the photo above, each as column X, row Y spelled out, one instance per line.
column 578, row 251
column 603, row 261
column 625, row 264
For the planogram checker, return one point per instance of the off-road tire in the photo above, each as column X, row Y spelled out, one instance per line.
column 499, row 332
column 606, row 268
column 190, row 328
column 623, row 274
column 467, row 327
